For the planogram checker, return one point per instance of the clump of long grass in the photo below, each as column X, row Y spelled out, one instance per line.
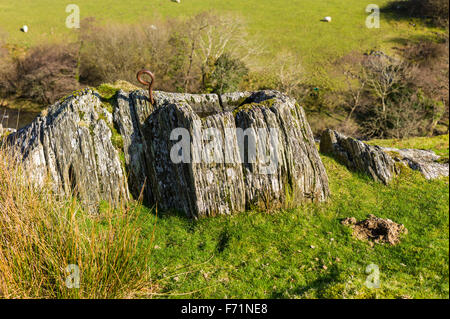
column 42, row 233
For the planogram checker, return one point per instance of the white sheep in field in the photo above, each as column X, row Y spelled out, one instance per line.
column 24, row 29
column 327, row 19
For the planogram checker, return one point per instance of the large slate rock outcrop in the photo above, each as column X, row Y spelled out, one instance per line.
column 380, row 162
column 76, row 144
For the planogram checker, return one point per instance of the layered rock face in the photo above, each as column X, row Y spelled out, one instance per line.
column 426, row 162
column 71, row 147
column 358, row 156
column 210, row 154
column 202, row 154
column 380, row 162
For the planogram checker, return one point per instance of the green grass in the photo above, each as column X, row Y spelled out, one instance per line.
column 438, row 144
column 262, row 255
column 248, row 255
column 289, row 24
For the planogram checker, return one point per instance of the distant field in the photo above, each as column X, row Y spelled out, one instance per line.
column 290, row 24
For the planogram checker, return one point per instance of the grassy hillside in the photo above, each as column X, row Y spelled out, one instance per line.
column 300, row 253
column 288, row 24
column 269, row 255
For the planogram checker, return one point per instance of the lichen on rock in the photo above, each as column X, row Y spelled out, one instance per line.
column 72, row 146
column 381, row 163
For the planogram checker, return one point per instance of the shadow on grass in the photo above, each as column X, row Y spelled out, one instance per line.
column 417, row 39
column 413, row 11
column 329, row 279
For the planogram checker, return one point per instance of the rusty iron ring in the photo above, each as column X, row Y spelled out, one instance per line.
column 150, row 84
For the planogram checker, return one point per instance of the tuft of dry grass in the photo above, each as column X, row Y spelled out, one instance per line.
column 42, row 233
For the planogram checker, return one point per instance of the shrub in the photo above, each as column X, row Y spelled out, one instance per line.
column 431, row 73
column 181, row 54
column 259, row 80
column 42, row 233
column 227, row 74
column 116, row 52
column 6, row 67
column 43, row 74
column 434, row 11
column 437, row 10
column 392, row 103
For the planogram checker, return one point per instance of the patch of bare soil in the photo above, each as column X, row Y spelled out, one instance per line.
column 376, row 230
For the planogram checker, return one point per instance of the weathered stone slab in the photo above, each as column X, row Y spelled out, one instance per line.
column 298, row 174
column 225, row 174
column 358, row 156
column 380, row 162
column 72, row 146
column 427, row 162
column 192, row 179
column 130, row 112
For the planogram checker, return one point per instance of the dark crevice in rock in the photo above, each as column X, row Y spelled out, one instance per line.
column 219, row 97
column 72, row 180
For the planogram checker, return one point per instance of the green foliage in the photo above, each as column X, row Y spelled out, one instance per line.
column 315, row 99
column 262, row 80
column 226, row 75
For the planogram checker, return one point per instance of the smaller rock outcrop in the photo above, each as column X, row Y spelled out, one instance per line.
column 381, row 163
column 427, row 162
column 358, row 156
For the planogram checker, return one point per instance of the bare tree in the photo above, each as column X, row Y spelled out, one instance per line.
column 385, row 95
column 384, row 77
column 213, row 35
column 289, row 71
column 356, row 85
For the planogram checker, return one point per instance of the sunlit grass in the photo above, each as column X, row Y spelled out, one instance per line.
column 299, row 253
column 438, row 144
column 261, row 255
column 42, row 234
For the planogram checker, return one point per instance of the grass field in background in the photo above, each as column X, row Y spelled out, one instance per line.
column 269, row 255
column 288, row 24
